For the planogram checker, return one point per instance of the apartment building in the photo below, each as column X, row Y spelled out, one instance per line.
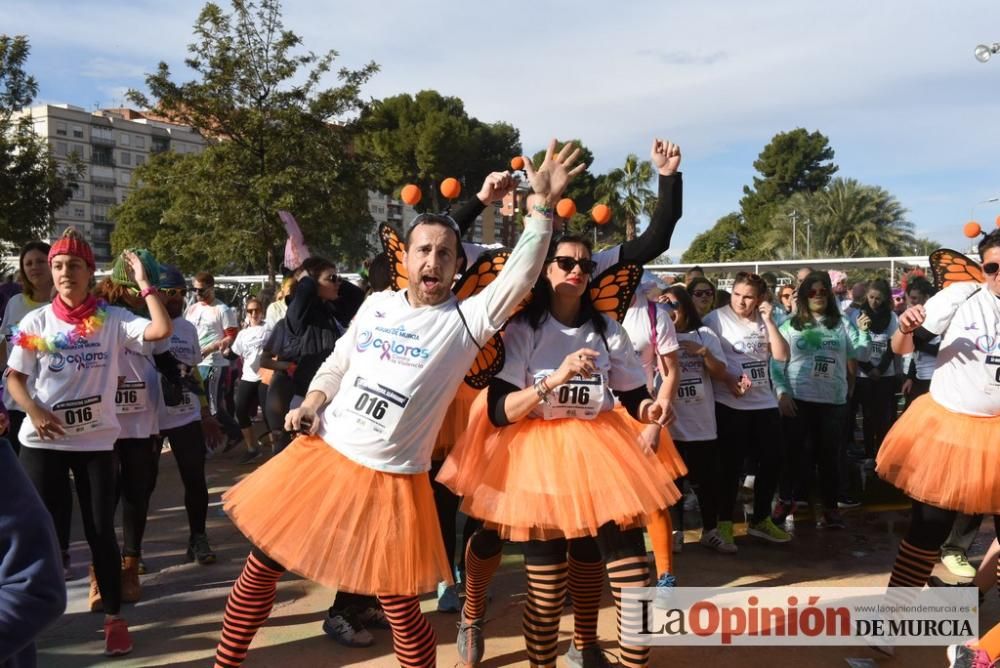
column 111, row 143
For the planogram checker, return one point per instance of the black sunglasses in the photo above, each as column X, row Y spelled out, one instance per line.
column 991, row 267
column 202, row 290
column 707, row 292
column 567, row 263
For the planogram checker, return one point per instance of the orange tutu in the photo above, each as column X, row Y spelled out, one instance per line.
column 944, row 459
column 666, row 451
column 455, row 421
column 544, row 479
column 341, row 524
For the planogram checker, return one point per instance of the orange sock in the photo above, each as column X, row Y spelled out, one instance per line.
column 661, row 535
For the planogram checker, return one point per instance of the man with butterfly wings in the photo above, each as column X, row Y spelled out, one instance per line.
column 942, row 451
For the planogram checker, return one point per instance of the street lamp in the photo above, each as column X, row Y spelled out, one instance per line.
column 985, row 52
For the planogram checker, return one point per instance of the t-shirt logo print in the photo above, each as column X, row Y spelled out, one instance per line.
column 57, row 362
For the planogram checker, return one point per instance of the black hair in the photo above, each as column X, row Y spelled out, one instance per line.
column 692, row 319
column 538, row 309
column 693, row 284
column 379, row 278
column 441, row 220
column 29, row 289
column 991, row 240
column 315, row 266
column 803, row 318
column 694, row 269
column 880, row 318
column 922, row 285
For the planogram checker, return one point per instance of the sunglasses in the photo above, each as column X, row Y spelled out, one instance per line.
column 567, row 264
column 438, row 218
column 202, row 290
column 818, row 292
column 991, row 268
column 173, row 292
column 332, row 278
column 707, row 292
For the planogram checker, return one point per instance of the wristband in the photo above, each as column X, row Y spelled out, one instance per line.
column 544, row 210
column 543, row 391
column 151, row 290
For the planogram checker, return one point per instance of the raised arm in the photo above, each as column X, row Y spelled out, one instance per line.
column 655, row 240
column 161, row 325
column 495, row 187
column 521, row 270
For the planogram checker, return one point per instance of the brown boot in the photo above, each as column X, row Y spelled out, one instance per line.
column 131, row 589
column 96, row 604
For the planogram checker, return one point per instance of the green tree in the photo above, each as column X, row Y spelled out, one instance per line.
column 721, row 243
column 278, row 140
column 33, row 184
column 583, row 191
column 429, row 137
column 844, row 219
column 627, row 191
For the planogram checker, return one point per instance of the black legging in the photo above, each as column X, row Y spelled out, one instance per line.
column 702, row 461
column 215, row 383
column 447, row 510
column 920, row 388
column 930, row 526
column 60, row 506
column 279, row 399
column 188, row 445
column 877, row 399
column 249, row 396
column 749, row 433
column 611, row 544
column 813, row 440
column 94, row 477
column 135, row 465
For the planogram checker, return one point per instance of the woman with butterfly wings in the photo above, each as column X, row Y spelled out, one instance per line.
column 942, row 451
column 564, row 473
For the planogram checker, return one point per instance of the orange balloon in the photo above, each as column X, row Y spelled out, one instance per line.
column 451, row 188
column 601, row 214
column 998, row 221
column 972, row 229
column 410, row 194
column 566, row 208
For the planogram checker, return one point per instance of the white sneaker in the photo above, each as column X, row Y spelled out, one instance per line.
column 678, row 541
column 713, row 539
column 958, row 565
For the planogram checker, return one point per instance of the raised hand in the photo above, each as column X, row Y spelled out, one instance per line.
column 496, row 186
column 555, row 172
column 134, row 268
column 912, row 318
column 766, row 310
column 666, row 156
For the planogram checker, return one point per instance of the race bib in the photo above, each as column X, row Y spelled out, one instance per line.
column 824, row 367
column 79, row 416
column 878, row 349
column 756, row 372
column 131, row 397
column 580, row 398
column 375, row 407
column 992, row 375
column 187, row 405
column 691, row 391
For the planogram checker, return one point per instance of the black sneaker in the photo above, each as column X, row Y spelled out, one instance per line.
column 345, row 627
column 232, row 443
column 250, row 456
column 199, row 550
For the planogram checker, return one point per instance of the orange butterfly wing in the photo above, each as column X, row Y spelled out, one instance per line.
column 612, row 291
column 481, row 273
column 949, row 266
column 393, row 247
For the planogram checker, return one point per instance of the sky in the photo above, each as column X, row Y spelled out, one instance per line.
column 892, row 83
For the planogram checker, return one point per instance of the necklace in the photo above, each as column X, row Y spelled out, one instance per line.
column 90, row 325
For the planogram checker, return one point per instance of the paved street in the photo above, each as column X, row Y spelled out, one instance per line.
column 178, row 621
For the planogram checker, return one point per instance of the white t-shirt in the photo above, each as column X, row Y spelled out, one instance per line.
column 638, row 325
column 184, row 346
column 396, row 369
column 694, row 404
column 747, row 352
column 78, row 384
column 967, row 377
column 137, row 398
column 533, row 354
column 249, row 344
column 211, row 323
column 18, row 307
column 275, row 312
column 880, row 345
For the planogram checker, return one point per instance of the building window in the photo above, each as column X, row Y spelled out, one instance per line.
column 79, row 212
column 78, row 132
column 77, row 150
column 126, row 157
column 97, row 132
column 140, row 160
column 140, row 141
column 125, row 139
column 61, row 149
column 102, row 155
column 123, row 178
column 61, row 129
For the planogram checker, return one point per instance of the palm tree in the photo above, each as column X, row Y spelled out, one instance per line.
column 626, row 190
column 847, row 219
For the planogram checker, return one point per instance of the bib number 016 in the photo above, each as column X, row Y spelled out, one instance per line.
column 574, row 394
column 370, row 405
column 76, row 416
